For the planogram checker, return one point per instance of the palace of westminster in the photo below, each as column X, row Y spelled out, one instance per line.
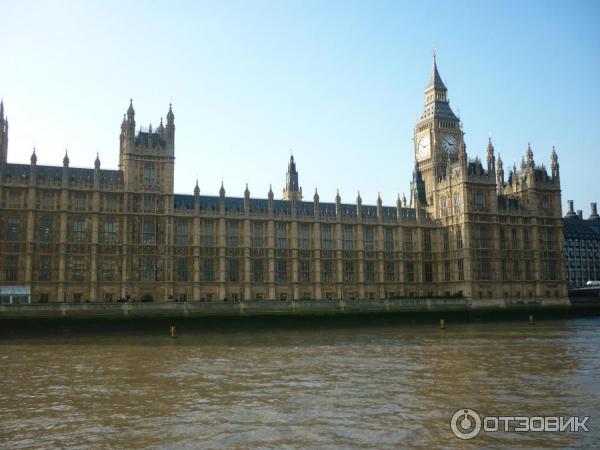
column 468, row 229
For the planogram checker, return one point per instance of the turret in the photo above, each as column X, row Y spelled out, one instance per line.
column 358, row 205
column 247, row 198
column 338, row 204
column 594, row 214
column 3, row 134
column 571, row 212
column 490, row 158
column 530, row 163
column 500, row 173
column 66, row 159
column 292, row 189
column 33, row 158
column 170, row 129
column 379, row 205
column 554, row 164
column 197, row 190
column 222, row 192
column 97, row 162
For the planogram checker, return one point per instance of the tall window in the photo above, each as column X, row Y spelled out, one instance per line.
column 502, row 239
column 281, row 271
column 516, row 270
column 368, row 238
column 11, row 267
column 446, row 239
column 209, row 270
column 77, row 268
column 181, row 270
column 14, row 199
column 370, row 272
column 304, row 236
column 181, row 234
column 109, row 268
column 281, row 234
column 390, row 271
column 347, row 238
column 447, row 272
column 47, row 200
column 45, row 273
column 149, row 231
column 79, row 230
column 513, row 240
column 348, row 272
column 428, row 272
column 526, row 239
column 13, row 229
column 258, row 271
column 46, row 229
column 479, row 200
column 257, row 235
column 456, row 200
column 149, row 175
column 410, row 272
column 233, row 270
column 110, row 203
column 459, row 239
column 444, row 206
column 208, row 234
column 528, row 270
column 408, row 240
column 327, row 271
column 148, row 269
column 79, row 201
column 427, row 240
column 327, row 237
column 304, row 271
column 233, row 234
column 482, row 237
column 110, row 231
column 504, row 266
column 460, row 268
column 389, row 240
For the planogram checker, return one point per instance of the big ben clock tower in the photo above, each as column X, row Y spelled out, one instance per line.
column 438, row 135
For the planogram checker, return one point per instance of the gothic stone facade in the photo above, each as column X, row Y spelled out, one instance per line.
column 77, row 234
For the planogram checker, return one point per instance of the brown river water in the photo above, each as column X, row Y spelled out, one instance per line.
column 377, row 386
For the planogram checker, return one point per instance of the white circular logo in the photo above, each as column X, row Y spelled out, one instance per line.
column 465, row 423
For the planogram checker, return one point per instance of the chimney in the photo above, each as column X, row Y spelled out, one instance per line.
column 580, row 214
column 594, row 215
column 570, row 213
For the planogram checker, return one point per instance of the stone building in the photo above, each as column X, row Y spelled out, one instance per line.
column 582, row 246
column 76, row 234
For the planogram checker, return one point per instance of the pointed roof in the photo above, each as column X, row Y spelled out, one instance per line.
column 435, row 80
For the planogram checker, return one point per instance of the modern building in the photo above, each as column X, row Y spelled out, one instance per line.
column 582, row 246
column 79, row 234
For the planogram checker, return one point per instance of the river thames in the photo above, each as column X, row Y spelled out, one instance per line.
column 384, row 386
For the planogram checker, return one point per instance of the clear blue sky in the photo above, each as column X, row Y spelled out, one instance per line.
column 340, row 83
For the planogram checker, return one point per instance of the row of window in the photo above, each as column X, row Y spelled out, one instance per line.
column 109, row 233
column 149, row 270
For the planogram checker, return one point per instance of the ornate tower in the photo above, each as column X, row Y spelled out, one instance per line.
column 292, row 190
column 438, row 135
column 147, row 159
column 3, row 135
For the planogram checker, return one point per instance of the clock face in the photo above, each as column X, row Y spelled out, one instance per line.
column 423, row 147
column 449, row 144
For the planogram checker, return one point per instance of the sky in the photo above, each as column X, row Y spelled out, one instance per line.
column 339, row 84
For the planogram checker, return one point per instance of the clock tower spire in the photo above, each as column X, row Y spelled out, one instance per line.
column 438, row 134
